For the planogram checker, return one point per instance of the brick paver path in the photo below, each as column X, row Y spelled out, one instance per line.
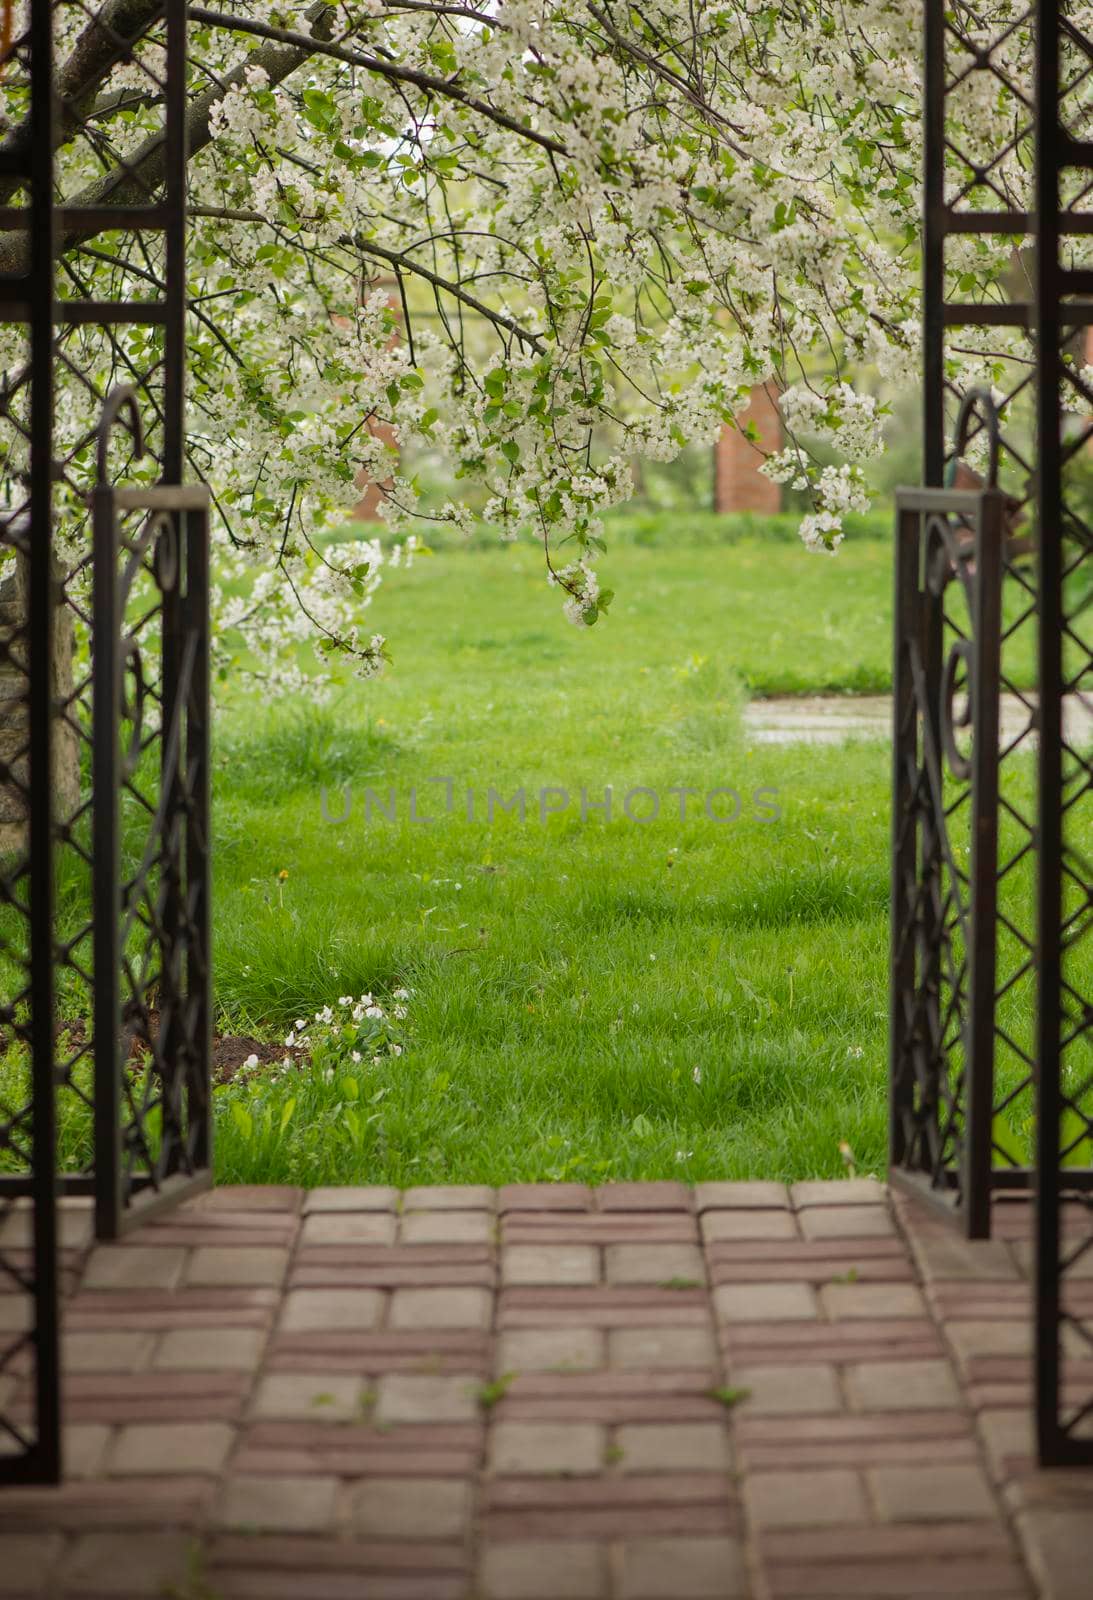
column 550, row 1393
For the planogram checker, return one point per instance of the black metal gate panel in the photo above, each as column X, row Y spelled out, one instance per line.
column 964, row 1043
column 1064, row 433
column 992, row 981
column 947, row 615
column 29, row 1331
column 104, row 944
column 150, row 854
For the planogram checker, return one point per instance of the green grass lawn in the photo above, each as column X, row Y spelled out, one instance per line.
column 588, row 998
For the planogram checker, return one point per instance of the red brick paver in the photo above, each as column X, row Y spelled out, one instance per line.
column 549, row 1392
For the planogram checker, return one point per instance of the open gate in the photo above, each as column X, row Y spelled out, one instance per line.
column 104, row 870
column 991, row 1045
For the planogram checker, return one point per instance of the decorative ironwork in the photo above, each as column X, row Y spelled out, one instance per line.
column 104, row 1057
column 29, row 1333
column 971, row 1043
column 1064, row 390
column 949, row 552
column 992, row 986
column 151, row 829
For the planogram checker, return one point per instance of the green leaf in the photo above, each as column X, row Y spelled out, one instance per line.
column 242, row 1119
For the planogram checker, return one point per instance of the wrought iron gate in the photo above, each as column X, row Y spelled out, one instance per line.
column 104, row 945
column 1063, row 305
column 992, row 991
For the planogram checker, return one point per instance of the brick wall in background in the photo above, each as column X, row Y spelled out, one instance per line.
column 738, row 483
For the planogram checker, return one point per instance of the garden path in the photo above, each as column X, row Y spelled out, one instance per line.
column 546, row 1392
column 826, row 719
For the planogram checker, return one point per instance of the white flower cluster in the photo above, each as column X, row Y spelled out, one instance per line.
column 358, row 1028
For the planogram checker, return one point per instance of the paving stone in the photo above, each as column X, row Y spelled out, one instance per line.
column 809, row 1388
column 937, row 1493
column 447, row 1227
column 853, row 1300
column 112, row 1351
column 673, row 1447
column 544, row 1197
column 765, row 1302
column 994, row 1338
column 748, row 1196
column 28, row 1561
column 655, row 1264
column 128, row 1563
column 441, row 1308
column 411, row 1508
column 75, row 1226
column 599, row 1227
column 684, row 1569
column 846, row 1222
column 409, row 1397
column 545, row 1570
column 16, row 1313
column 251, row 1197
column 901, row 1385
column 528, row 1265
column 142, row 1448
column 1058, row 1545
column 131, row 1266
column 325, row 1310
column 1023, row 1253
column 550, row 1349
column 83, row 1449
column 742, row 1224
column 1007, row 1435
column 308, row 1397
column 804, row 1499
column 661, row 1347
column 349, row 1227
column 450, row 1197
column 350, row 1199
column 547, row 1448
column 660, row 1196
column 838, row 1192
column 946, row 1256
column 209, row 1350
column 278, row 1504
column 213, row 1265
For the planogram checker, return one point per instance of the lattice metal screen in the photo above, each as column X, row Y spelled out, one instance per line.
column 103, row 670
column 1064, row 303
column 979, row 306
column 29, row 1415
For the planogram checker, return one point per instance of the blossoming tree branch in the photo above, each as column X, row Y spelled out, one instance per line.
column 604, row 222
